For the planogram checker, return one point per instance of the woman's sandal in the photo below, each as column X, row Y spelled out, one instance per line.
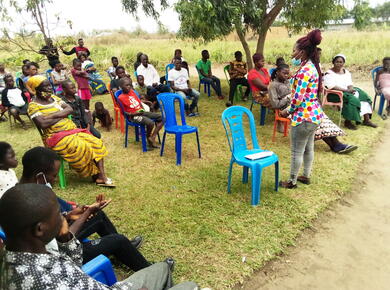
column 108, row 183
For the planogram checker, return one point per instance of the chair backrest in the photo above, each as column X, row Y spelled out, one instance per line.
column 168, row 67
column 226, row 71
column 197, row 70
column 119, row 103
column 48, row 76
column 112, row 95
column 373, row 74
column 233, row 122
column 167, row 106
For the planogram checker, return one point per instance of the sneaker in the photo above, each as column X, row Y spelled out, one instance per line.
column 304, row 179
column 287, row 184
column 347, row 149
column 228, row 104
column 191, row 115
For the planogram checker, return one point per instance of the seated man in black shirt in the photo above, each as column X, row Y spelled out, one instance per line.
column 51, row 53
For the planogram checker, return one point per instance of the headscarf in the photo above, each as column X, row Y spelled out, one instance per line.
column 34, row 82
column 339, row 55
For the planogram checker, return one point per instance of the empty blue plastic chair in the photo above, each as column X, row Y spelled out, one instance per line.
column 382, row 97
column 232, row 120
column 100, row 269
column 167, row 106
column 137, row 127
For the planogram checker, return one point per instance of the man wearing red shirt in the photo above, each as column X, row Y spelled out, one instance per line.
column 77, row 49
column 138, row 112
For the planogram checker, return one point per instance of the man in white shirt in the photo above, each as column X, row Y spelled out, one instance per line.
column 180, row 83
column 14, row 100
column 151, row 79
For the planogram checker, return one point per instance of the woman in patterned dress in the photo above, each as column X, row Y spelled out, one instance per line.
column 78, row 147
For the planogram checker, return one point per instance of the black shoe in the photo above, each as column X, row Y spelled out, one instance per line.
column 228, row 104
column 304, row 179
column 347, row 149
column 137, row 242
column 287, row 184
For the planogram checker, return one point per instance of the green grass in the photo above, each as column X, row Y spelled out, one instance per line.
column 185, row 212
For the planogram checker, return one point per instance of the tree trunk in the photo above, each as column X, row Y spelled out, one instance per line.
column 241, row 36
column 261, row 41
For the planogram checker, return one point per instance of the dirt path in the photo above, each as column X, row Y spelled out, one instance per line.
column 349, row 247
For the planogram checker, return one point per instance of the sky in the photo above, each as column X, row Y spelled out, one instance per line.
column 87, row 15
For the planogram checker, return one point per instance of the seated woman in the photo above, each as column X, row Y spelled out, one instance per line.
column 356, row 102
column 78, row 147
column 95, row 79
column 259, row 79
column 383, row 81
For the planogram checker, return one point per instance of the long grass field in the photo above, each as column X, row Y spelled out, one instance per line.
column 217, row 239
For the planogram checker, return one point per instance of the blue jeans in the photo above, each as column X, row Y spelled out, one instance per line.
column 193, row 96
column 215, row 83
column 302, row 149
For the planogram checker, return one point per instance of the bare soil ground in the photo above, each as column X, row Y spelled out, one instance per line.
column 349, row 246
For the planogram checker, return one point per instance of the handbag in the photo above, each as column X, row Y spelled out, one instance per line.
column 262, row 98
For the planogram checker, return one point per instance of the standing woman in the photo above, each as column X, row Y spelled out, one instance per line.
column 259, row 79
column 305, row 110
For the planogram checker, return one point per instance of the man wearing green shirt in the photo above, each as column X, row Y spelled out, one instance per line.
column 204, row 70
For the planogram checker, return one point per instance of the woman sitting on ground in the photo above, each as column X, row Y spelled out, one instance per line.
column 259, row 79
column 78, row 147
column 356, row 102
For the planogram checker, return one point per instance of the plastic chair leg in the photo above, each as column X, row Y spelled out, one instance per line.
column 178, row 148
column 285, row 134
column 126, row 135
column 143, row 137
column 122, row 121
column 374, row 103
column 136, row 133
column 263, row 113
column 116, row 119
column 274, row 133
column 251, row 107
column 256, row 184
column 230, row 176
column 162, row 144
column 197, row 140
column 276, row 175
column 381, row 104
column 245, row 171
column 208, row 90
column 61, row 175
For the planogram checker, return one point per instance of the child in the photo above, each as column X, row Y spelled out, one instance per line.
column 58, row 75
column 14, row 99
column 79, row 117
column 102, row 115
column 383, row 81
column 180, row 83
column 134, row 108
column 140, row 87
column 279, row 61
column 7, row 161
column 111, row 69
column 204, row 69
column 95, row 79
column 81, row 77
column 237, row 72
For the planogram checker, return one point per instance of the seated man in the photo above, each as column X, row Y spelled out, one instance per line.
column 120, row 73
column 204, row 70
column 14, row 99
column 139, row 112
column 180, row 83
column 41, row 166
column 237, row 72
column 151, row 79
column 30, row 217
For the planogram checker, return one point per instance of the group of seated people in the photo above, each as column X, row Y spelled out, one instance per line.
column 44, row 233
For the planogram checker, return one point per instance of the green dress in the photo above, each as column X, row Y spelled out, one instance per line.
column 351, row 104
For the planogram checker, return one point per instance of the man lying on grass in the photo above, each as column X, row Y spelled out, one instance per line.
column 31, row 217
column 139, row 112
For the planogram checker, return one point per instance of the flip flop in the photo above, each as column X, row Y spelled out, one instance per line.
column 108, row 183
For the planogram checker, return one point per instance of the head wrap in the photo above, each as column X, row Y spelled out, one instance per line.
column 339, row 55
column 34, row 82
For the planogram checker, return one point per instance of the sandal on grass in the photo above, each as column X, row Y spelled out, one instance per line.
column 108, row 183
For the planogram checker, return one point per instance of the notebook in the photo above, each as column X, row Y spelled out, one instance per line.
column 259, row 155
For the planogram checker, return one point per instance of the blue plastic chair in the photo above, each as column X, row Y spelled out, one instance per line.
column 2, row 234
column 206, row 86
column 137, row 127
column 232, row 120
column 382, row 97
column 100, row 269
column 168, row 67
column 167, row 106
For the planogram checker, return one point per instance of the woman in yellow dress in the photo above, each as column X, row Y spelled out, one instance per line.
column 78, row 147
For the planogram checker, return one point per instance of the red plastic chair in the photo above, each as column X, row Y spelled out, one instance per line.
column 326, row 102
column 117, row 111
column 286, row 123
